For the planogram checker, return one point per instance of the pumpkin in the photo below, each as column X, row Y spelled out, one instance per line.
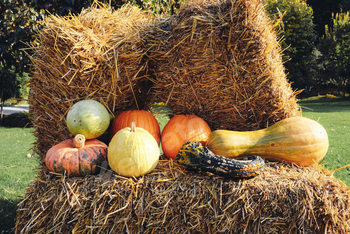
column 194, row 156
column 133, row 151
column 76, row 156
column 180, row 129
column 89, row 118
column 141, row 118
column 296, row 140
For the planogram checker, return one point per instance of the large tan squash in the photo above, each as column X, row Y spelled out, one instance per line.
column 296, row 140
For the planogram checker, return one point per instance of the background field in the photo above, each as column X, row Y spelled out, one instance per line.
column 334, row 115
column 17, row 170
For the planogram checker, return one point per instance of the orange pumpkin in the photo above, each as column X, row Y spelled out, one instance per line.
column 76, row 156
column 141, row 118
column 183, row 128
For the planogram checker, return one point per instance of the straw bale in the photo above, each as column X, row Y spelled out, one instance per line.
column 98, row 55
column 282, row 199
column 220, row 60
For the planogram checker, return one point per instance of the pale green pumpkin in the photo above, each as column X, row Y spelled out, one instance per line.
column 89, row 118
column 133, row 152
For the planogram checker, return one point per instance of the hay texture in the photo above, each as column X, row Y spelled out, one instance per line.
column 217, row 59
column 220, row 60
column 98, row 55
column 282, row 199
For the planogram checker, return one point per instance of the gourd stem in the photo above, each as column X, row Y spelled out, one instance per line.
column 79, row 141
column 133, row 127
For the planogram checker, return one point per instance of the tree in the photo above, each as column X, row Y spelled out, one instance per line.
column 335, row 49
column 323, row 12
column 17, row 25
column 297, row 31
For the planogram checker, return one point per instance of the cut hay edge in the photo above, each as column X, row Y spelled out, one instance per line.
column 170, row 199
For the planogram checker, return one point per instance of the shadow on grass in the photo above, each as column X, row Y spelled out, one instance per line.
column 8, row 209
column 325, row 104
column 19, row 119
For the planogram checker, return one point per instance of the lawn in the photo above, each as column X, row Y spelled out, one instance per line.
column 334, row 115
column 17, row 170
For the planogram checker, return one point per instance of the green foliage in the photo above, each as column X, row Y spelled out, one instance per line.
column 297, row 31
column 335, row 49
column 20, row 21
column 17, row 27
column 23, row 85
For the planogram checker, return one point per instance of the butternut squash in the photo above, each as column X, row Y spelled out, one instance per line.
column 296, row 140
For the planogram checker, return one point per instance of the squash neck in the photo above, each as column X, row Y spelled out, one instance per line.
column 255, row 137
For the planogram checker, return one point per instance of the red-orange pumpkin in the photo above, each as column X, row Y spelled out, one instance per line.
column 141, row 118
column 77, row 156
column 183, row 128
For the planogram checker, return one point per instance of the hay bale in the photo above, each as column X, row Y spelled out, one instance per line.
column 282, row 199
column 223, row 59
column 98, row 55
column 220, row 60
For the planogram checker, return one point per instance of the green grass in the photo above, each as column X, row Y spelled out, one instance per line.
column 16, row 171
column 334, row 115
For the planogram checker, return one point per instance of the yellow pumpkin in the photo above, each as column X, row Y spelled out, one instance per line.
column 296, row 140
column 133, row 151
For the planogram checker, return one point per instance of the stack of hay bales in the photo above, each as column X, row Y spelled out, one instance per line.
column 220, row 60
column 98, row 55
column 217, row 59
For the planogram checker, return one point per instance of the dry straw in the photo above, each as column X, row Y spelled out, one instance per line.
column 220, row 60
column 98, row 55
column 282, row 199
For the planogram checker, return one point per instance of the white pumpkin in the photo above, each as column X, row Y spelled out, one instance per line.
column 133, row 152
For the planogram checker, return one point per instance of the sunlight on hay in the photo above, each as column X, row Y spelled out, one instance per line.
column 220, row 60
column 282, row 199
column 98, row 55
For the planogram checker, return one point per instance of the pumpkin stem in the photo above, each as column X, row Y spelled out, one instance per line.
column 133, row 127
column 79, row 141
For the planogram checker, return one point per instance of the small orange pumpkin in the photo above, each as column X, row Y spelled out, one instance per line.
column 76, row 156
column 183, row 128
column 141, row 118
